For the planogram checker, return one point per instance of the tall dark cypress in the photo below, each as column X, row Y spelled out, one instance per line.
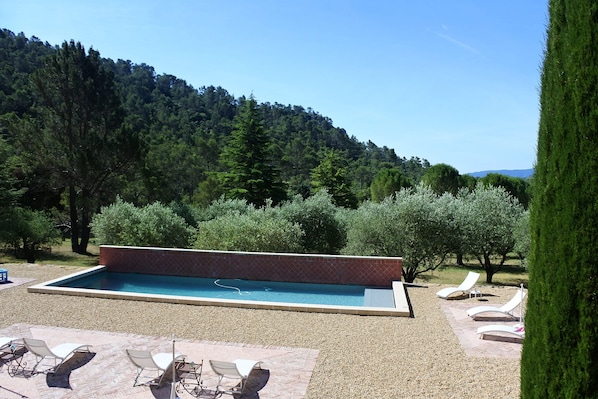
column 560, row 351
column 252, row 175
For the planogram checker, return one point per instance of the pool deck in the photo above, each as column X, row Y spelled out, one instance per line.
column 400, row 298
column 106, row 372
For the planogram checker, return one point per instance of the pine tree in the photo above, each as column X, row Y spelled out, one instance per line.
column 560, row 351
column 251, row 175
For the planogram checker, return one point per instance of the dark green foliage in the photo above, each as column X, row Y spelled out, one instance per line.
column 19, row 57
column 27, row 232
column 388, row 182
column 181, row 132
column 560, row 351
column 76, row 133
column 8, row 192
column 443, row 178
column 516, row 186
column 251, row 175
column 331, row 175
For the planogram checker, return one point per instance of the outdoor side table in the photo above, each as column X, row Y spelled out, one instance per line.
column 475, row 293
column 189, row 374
column 3, row 276
column 12, row 357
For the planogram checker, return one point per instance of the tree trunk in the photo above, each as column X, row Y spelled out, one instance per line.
column 74, row 219
column 85, row 232
column 489, row 269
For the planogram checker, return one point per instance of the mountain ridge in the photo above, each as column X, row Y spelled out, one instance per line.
column 522, row 173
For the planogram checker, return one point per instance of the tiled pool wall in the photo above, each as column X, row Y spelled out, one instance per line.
column 328, row 269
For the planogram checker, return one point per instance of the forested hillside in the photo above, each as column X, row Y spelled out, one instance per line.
column 183, row 131
column 111, row 151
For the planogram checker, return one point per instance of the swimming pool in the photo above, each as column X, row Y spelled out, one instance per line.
column 325, row 294
column 328, row 298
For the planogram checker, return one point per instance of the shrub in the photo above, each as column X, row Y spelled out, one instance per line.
column 153, row 225
column 323, row 232
column 260, row 230
column 27, row 232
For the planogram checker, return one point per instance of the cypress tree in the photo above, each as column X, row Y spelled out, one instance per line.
column 560, row 353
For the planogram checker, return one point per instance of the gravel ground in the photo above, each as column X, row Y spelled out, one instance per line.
column 360, row 356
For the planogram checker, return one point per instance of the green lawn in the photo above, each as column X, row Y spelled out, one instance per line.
column 60, row 255
column 511, row 273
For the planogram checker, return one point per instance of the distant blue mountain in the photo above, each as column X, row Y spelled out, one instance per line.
column 523, row 173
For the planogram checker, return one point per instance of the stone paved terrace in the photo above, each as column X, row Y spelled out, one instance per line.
column 106, row 372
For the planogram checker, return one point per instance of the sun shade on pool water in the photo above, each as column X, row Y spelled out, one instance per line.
column 229, row 289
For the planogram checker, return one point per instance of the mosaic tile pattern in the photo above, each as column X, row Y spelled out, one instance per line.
column 369, row 271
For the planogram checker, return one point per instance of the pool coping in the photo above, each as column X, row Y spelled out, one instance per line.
column 401, row 308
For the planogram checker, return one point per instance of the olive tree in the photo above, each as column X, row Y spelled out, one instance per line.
column 417, row 225
column 429, row 228
column 487, row 217
column 154, row 225
column 323, row 232
column 258, row 230
column 523, row 237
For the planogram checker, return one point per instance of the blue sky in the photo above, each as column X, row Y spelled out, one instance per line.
column 454, row 82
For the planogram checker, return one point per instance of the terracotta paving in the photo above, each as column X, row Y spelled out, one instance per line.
column 493, row 345
column 106, row 372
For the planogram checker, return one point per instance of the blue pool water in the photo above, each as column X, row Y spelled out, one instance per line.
column 268, row 291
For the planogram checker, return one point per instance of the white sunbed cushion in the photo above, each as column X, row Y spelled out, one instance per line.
column 483, row 309
column 164, row 359
column 63, row 350
column 244, row 366
column 517, row 330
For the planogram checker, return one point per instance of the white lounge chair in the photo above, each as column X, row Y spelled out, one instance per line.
column 464, row 287
column 58, row 353
column 505, row 309
column 517, row 330
column 144, row 360
column 238, row 370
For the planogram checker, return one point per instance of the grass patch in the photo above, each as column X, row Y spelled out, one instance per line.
column 511, row 274
column 59, row 255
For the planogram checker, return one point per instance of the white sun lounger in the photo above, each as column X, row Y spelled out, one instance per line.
column 464, row 287
column 505, row 309
column 144, row 360
column 238, row 370
column 58, row 353
column 517, row 330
